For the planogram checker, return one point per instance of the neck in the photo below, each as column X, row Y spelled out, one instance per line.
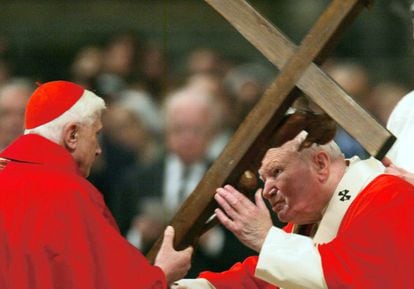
column 338, row 168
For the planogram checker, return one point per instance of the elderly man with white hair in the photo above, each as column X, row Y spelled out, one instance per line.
column 349, row 225
column 55, row 230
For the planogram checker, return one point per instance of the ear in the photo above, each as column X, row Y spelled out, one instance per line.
column 71, row 136
column 321, row 164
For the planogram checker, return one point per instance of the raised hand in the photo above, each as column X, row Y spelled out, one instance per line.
column 249, row 221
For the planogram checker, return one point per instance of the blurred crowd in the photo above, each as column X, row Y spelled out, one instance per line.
column 164, row 127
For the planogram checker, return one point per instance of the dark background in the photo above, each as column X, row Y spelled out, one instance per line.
column 40, row 38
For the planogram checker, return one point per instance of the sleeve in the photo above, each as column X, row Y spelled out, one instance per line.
column 290, row 261
column 199, row 283
column 239, row 276
column 79, row 246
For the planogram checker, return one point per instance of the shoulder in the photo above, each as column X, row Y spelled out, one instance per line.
column 386, row 193
column 388, row 187
column 57, row 186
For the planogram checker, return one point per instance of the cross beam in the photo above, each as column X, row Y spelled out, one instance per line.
column 248, row 145
column 278, row 49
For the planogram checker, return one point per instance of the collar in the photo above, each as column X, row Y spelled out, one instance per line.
column 35, row 149
column 174, row 161
column 357, row 176
column 179, row 178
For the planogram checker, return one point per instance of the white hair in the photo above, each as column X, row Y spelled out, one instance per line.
column 197, row 97
column 85, row 111
column 331, row 148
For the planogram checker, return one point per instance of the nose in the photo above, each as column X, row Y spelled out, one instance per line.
column 269, row 190
column 98, row 150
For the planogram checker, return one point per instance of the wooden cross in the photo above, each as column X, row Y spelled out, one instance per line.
column 298, row 68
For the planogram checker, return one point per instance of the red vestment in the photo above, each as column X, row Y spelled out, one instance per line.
column 56, row 231
column 372, row 249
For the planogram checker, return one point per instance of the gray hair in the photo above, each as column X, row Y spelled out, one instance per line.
column 331, row 148
column 85, row 111
column 198, row 97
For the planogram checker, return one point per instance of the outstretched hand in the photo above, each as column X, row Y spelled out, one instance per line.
column 392, row 169
column 249, row 221
column 175, row 264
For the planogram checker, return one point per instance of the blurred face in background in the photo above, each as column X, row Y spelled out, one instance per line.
column 188, row 131
column 122, row 125
column 12, row 106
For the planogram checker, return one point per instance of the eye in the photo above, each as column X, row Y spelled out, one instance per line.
column 276, row 172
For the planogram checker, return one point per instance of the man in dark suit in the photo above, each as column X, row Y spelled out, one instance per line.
column 148, row 198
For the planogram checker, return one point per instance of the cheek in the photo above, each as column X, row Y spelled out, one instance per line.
column 292, row 190
column 95, row 146
column 286, row 185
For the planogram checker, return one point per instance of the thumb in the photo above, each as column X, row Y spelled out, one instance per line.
column 169, row 235
column 259, row 199
column 189, row 250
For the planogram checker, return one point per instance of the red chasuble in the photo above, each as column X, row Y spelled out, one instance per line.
column 373, row 247
column 55, row 230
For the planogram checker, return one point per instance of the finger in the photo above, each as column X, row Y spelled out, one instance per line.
column 224, row 219
column 386, row 161
column 227, row 194
column 189, row 250
column 225, row 205
column 168, row 236
column 243, row 203
column 236, row 199
column 259, row 199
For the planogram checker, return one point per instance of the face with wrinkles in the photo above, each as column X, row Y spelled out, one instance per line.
column 292, row 185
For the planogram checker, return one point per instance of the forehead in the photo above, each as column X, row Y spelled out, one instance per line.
column 96, row 125
column 276, row 157
column 188, row 112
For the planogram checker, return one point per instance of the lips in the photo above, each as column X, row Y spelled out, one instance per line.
column 276, row 199
column 278, row 202
column 278, row 206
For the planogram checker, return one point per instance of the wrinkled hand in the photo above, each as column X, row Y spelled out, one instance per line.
column 250, row 222
column 175, row 264
column 392, row 169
